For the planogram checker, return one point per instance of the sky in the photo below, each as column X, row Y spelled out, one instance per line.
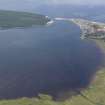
column 77, row 2
column 38, row 2
column 26, row 4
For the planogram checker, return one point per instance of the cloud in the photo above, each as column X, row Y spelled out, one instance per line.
column 77, row 2
column 37, row 2
column 34, row 3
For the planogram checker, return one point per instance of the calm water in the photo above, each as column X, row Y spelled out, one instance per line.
column 45, row 60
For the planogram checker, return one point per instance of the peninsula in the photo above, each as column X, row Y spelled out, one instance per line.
column 14, row 19
column 90, row 29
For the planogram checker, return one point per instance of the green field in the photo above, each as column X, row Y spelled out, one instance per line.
column 12, row 19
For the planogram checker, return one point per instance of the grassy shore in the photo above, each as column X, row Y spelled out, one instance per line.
column 93, row 95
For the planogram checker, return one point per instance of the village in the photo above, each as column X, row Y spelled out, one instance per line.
column 90, row 29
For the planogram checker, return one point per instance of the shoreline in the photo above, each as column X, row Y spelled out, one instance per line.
column 94, row 93
column 90, row 29
column 96, row 90
column 50, row 23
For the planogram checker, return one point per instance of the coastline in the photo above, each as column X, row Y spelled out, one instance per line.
column 82, row 36
column 95, row 93
column 100, row 44
column 50, row 23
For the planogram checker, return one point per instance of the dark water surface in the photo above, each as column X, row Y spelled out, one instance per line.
column 45, row 60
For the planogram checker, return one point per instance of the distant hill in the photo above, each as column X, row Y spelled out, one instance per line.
column 12, row 19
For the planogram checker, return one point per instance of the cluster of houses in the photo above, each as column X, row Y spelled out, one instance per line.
column 96, row 31
column 90, row 29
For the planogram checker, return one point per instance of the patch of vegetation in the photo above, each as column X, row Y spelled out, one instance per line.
column 12, row 19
